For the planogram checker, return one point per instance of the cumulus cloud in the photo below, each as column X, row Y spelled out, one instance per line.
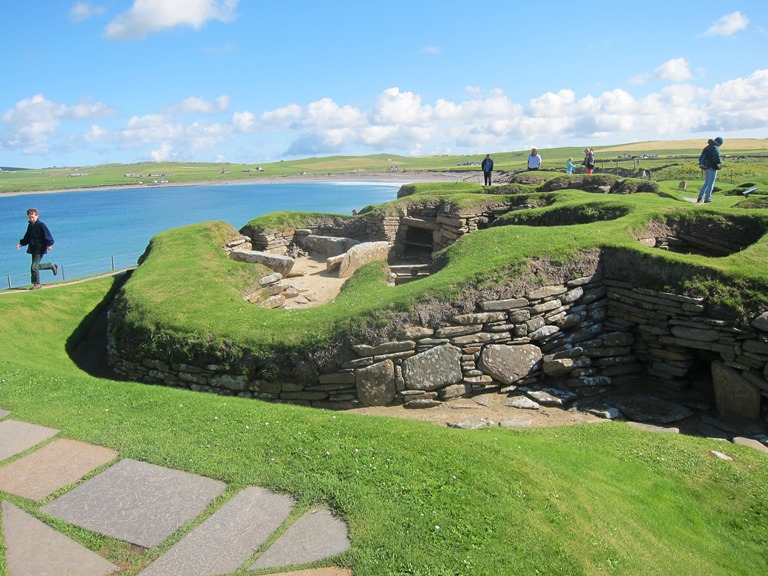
column 675, row 70
column 148, row 16
column 728, row 25
column 400, row 121
column 83, row 11
column 197, row 105
column 34, row 122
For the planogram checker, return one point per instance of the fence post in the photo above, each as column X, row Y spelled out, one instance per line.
column 63, row 279
column 9, row 282
column 113, row 263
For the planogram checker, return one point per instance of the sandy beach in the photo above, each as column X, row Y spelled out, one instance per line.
column 399, row 178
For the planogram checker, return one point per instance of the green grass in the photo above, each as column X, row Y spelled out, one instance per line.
column 676, row 160
column 419, row 499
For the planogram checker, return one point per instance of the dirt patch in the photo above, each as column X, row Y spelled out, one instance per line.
column 315, row 283
column 492, row 406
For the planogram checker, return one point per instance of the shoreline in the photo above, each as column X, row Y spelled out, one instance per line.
column 394, row 178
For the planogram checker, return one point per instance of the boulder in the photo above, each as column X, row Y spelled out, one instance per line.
column 376, row 384
column 432, row 369
column 508, row 364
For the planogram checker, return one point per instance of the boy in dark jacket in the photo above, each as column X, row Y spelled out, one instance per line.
column 38, row 241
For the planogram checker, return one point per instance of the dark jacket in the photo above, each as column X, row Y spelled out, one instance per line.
column 37, row 238
column 710, row 157
column 487, row 165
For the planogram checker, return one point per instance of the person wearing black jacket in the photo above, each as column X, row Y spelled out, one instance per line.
column 710, row 162
column 487, row 166
column 39, row 241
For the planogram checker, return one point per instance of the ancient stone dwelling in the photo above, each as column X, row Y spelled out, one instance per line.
column 580, row 337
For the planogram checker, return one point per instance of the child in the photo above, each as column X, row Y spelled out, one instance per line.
column 569, row 166
column 38, row 241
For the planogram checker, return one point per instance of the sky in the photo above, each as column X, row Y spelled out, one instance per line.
column 246, row 81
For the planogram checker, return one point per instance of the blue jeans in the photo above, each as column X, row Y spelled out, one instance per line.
column 710, row 175
column 37, row 266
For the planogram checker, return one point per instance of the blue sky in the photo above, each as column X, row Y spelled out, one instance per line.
column 105, row 81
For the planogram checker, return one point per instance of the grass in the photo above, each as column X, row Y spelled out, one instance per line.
column 419, row 499
column 740, row 165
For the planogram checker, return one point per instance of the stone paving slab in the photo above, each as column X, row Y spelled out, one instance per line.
column 15, row 437
column 54, row 466
column 34, row 549
column 136, row 502
column 4, row 413
column 227, row 538
column 318, row 534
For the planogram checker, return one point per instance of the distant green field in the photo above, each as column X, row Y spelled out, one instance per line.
column 668, row 158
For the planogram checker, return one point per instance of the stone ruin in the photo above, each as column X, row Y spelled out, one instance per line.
column 581, row 341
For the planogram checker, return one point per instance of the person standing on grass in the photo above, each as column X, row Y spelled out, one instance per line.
column 710, row 162
column 39, row 241
column 487, row 166
column 569, row 166
column 534, row 160
column 589, row 160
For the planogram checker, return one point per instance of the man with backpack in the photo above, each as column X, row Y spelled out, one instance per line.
column 710, row 162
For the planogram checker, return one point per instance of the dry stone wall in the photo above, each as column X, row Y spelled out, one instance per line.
column 586, row 337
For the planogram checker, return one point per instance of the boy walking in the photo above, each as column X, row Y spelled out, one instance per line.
column 38, row 241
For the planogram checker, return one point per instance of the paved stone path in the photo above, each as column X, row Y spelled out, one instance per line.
column 145, row 505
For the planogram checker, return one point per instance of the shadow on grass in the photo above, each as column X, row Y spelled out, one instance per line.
column 87, row 345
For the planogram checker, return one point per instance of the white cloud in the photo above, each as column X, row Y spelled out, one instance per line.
column 728, row 25
column 398, row 121
column 83, row 10
column 149, row 16
column 197, row 105
column 432, row 49
column 675, row 70
column 34, row 122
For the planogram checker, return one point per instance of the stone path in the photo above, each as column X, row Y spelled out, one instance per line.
column 144, row 505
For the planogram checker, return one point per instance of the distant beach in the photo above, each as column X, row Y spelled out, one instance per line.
column 389, row 177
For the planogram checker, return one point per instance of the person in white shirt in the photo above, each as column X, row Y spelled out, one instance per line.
column 534, row 160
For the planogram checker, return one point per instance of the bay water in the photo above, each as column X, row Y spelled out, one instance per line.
column 95, row 230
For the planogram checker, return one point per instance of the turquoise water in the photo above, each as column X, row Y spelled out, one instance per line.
column 91, row 228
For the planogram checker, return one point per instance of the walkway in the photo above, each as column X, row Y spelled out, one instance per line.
column 145, row 505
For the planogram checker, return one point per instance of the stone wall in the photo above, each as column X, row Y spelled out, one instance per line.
column 587, row 336
column 369, row 228
column 418, row 228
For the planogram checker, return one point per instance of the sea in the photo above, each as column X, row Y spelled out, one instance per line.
column 96, row 231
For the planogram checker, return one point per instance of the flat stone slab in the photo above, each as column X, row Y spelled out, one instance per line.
column 136, row 502
column 34, row 549
column 223, row 542
column 318, row 534
column 4, row 413
column 15, row 437
column 52, row 467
